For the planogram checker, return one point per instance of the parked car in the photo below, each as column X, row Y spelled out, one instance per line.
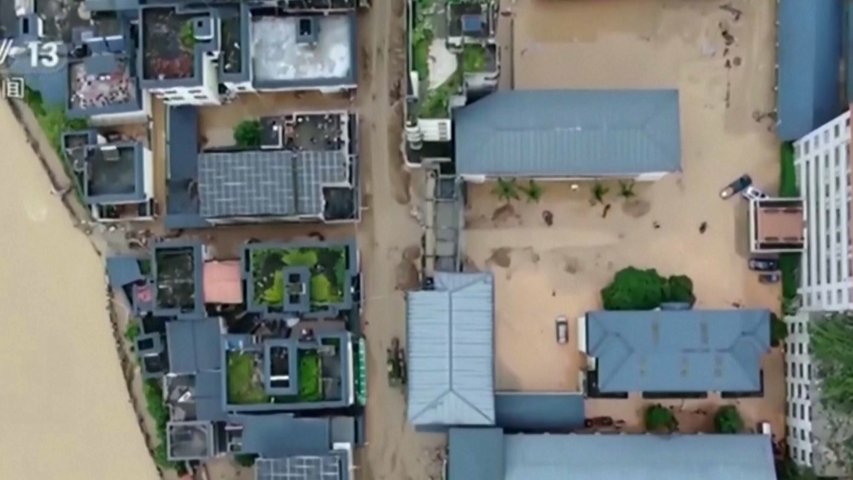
column 752, row 193
column 737, row 186
column 774, row 277
column 763, row 264
column 562, row 325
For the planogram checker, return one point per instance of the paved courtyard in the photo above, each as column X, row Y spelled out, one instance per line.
column 723, row 69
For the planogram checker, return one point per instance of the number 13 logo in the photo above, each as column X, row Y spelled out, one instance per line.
column 43, row 54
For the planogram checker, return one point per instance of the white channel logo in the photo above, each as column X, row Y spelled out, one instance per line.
column 42, row 54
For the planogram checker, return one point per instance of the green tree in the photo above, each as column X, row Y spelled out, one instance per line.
column 634, row 289
column 728, row 420
column 778, row 330
column 659, row 419
column 274, row 296
column 533, row 191
column 248, row 133
column 599, row 191
column 187, row 35
column 831, row 344
column 626, row 189
column 679, row 288
column 321, row 289
column 506, row 189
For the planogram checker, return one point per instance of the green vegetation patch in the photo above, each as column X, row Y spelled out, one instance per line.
column 474, row 58
column 310, row 377
column 328, row 268
column 153, row 394
column 245, row 385
column 248, row 134
column 659, row 419
column 788, row 178
column 635, row 289
column 54, row 122
column 728, row 420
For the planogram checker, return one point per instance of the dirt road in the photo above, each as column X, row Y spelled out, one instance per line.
column 66, row 412
column 394, row 452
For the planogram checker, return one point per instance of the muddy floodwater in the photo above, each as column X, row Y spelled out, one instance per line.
column 66, row 412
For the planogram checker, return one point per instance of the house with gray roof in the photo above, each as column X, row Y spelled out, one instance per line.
column 573, row 134
column 676, row 352
column 490, row 454
column 305, row 170
column 450, row 335
column 116, row 177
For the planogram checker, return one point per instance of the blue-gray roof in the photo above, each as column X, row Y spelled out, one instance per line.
column 476, row 454
column 332, row 466
column 678, row 350
column 451, row 351
column 283, row 435
column 194, row 345
column 638, row 457
column 208, row 396
column 182, row 146
column 808, row 57
column 569, row 133
column 123, row 271
column 535, row 412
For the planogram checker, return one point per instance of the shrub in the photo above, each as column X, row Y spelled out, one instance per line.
column 789, row 265
column 131, row 333
column 788, row 176
column 245, row 459
column 728, row 420
column 300, row 258
column 321, row 289
column 679, row 288
column 248, row 133
column 660, row 419
column 505, row 189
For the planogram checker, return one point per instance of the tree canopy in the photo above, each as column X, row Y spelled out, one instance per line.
column 248, row 133
column 636, row 289
column 728, row 420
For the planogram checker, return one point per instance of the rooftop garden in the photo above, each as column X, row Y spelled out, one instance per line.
column 327, row 267
column 175, row 280
column 246, row 384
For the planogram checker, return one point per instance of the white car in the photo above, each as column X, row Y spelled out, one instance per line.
column 752, row 193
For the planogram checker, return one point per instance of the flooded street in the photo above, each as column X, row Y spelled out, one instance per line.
column 66, row 412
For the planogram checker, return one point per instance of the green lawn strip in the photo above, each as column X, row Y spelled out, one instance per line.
column 309, row 376
column 160, row 414
column 788, row 177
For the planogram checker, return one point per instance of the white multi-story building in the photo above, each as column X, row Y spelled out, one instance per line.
column 823, row 170
column 822, row 160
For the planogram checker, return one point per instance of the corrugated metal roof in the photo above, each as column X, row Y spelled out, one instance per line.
column 451, row 351
column 638, row 457
column 535, row 412
column 569, row 133
column 208, row 396
column 194, row 345
column 268, row 182
column 476, row 454
column 808, row 57
column 678, row 350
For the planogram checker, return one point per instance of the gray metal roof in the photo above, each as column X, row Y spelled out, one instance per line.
column 678, row 350
column 320, row 467
column 569, row 133
column 535, row 412
column 451, row 351
column 268, row 182
column 282, row 435
column 123, row 270
column 476, row 454
column 194, row 345
column 638, row 457
column 208, row 396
